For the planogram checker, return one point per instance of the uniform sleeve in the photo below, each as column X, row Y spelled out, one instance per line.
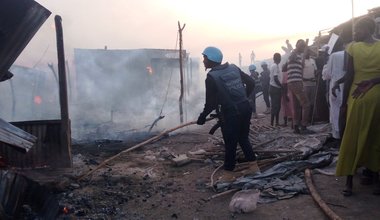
column 211, row 96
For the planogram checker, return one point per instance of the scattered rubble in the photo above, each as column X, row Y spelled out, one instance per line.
column 152, row 175
column 177, row 176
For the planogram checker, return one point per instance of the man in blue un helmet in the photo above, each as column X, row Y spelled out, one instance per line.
column 252, row 98
column 228, row 87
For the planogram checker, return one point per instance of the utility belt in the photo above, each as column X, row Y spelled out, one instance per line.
column 220, row 116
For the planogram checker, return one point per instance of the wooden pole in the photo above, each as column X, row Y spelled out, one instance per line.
column 180, row 29
column 325, row 208
column 69, row 79
column 65, row 121
column 222, row 194
column 315, row 95
column 13, row 99
column 155, row 138
column 353, row 18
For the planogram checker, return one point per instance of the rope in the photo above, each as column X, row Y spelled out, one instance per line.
column 212, row 176
column 42, row 56
column 160, row 116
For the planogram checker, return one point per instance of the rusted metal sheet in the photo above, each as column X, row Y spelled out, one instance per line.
column 49, row 150
column 12, row 135
column 19, row 21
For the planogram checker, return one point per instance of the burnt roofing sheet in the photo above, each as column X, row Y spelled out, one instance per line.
column 19, row 21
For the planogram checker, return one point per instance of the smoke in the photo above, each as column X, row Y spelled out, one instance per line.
column 30, row 95
column 118, row 91
column 113, row 94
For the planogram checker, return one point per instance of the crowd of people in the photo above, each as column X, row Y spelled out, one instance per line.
column 352, row 77
column 290, row 87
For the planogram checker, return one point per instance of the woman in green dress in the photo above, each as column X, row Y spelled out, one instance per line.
column 360, row 145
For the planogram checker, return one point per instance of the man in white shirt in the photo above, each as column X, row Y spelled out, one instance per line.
column 275, row 89
column 333, row 71
column 309, row 79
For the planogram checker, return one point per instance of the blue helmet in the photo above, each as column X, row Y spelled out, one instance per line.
column 213, row 54
column 252, row 67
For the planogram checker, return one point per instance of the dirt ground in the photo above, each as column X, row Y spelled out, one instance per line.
column 143, row 184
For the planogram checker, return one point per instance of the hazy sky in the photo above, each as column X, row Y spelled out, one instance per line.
column 238, row 26
column 234, row 26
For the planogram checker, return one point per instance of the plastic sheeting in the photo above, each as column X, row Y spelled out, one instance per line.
column 282, row 181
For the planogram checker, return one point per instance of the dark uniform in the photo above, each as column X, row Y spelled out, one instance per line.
column 228, row 86
column 265, row 79
column 258, row 88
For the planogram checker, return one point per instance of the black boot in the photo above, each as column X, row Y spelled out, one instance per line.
column 271, row 119
column 296, row 129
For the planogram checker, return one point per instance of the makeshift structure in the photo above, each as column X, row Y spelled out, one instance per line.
column 32, row 144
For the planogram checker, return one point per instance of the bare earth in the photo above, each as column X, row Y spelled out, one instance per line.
column 143, row 184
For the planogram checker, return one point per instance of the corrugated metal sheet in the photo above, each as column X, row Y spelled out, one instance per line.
column 48, row 150
column 17, row 190
column 19, row 21
column 347, row 26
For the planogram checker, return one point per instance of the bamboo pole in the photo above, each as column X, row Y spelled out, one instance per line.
column 275, row 151
column 266, row 142
column 325, row 208
column 263, row 164
column 222, row 193
column 155, row 138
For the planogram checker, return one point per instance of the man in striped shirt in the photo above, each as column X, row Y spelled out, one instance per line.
column 295, row 85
